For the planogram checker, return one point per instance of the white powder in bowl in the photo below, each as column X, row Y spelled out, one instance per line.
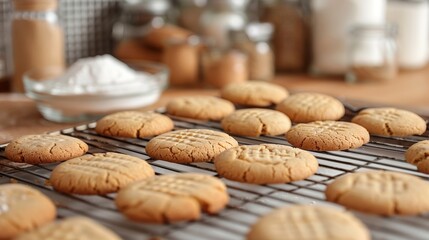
column 98, row 75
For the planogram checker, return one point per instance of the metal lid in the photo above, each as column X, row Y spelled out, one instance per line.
column 155, row 7
column 259, row 31
column 233, row 5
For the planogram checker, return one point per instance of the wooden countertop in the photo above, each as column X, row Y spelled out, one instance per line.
column 410, row 90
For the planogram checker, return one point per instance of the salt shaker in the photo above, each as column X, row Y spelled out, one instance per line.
column 37, row 38
column 372, row 54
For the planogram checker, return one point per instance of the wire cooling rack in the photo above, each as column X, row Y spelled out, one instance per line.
column 248, row 202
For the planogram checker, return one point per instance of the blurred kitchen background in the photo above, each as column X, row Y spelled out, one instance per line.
column 221, row 41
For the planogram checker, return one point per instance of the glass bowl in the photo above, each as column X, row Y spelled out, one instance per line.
column 89, row 103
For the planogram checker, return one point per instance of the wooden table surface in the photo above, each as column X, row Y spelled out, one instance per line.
column 19, row 115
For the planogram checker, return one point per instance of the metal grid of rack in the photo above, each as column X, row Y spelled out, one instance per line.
column 248, row 202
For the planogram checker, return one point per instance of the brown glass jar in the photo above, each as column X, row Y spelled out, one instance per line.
column 37, row 38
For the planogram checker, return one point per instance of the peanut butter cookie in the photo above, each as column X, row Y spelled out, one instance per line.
column 200, row 107
column 100, row 173
column 254, row 122
column 265, row 164
column 45, row 148
column 310, row 107
column 378, row 192
column 189, row 145
column 22, row 209
column 327, row 135
column 133, row 124
column 172, row 198
column 81, row 228
column 390, row 122
column 307, row 223
column 418, row 154
column 255, row 94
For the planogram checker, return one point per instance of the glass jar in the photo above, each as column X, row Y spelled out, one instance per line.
column 182, row 58
column 220, row 17
column 412, row 20
column 372, row 54
column 260, row 55
column 291, row 33
column 331, row 21
column 37, row 38
column 189, row 14
column 138, row 17
column 222, row 65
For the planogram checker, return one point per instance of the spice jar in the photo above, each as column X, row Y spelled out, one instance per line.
column 412, row 20
column 224, row 64
column 220, row 17
column 189, row 14
column 37, row 38
column 331, row 24
column 260, row 55
column 372, row 54
column 138, row 17
column 291, row 33
column 182, row 58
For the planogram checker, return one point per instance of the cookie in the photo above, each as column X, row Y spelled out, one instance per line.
column 301, row 222
column 390, row 122
column 189, row 145
column 44, row 148
column 382, row 193
column 327, row 136
column 200, row 107
column 265, row 164
column 256, row 94
column 133, row 124
column 172, row 198
column 23, row 208
column 81, row 228
column 254, row 122
column 310, row 107
column 418, row 154
column 100, row 173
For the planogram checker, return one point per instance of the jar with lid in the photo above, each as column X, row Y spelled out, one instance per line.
column 37, row 38
column 412, row 19
column 331, row 22
column 220, row 17
column 222, row 65
column 260, row 55
column 138, row 17
column 291, row 33
column 372, row 54
column 189, row 14
column 182, row 58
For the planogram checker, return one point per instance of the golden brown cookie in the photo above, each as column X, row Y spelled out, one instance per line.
column 256, row 94
column 200, row 107
column 310, row 107
column 378, row 192
column 301, row 222
column 172, row 198
column 390, row 122
column 418, row 154
column 189, row 145
column 327, row 135
column 79, row 228
column 100, row 173
column 265, row 164
column 45, row 148
column 23, row 208
column 133, row 124
column 254, row 122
